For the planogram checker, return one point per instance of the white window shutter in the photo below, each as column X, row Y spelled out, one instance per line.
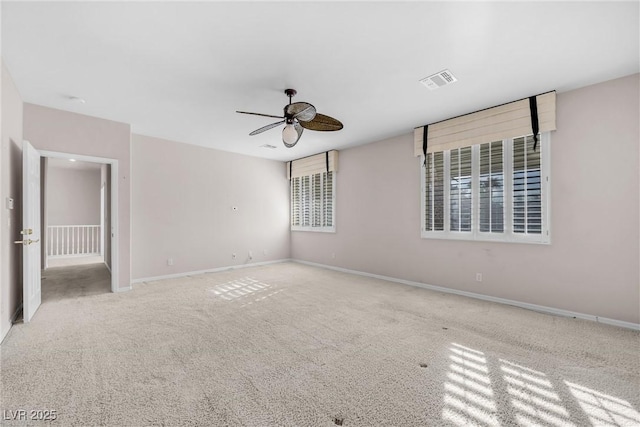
column 491, row 191
column 460, row 191
column 527, row 187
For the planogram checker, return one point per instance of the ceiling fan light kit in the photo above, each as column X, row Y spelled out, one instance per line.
column 297, row 117
column 289, row 135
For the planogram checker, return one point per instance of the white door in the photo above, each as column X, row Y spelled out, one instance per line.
column 31, row 285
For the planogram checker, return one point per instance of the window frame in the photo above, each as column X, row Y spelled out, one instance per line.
column 321, row 228
column 508, row 235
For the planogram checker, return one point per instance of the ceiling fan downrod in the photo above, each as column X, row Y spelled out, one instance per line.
column 290, row 93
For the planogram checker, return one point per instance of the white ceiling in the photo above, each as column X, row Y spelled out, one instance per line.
column 179, row 70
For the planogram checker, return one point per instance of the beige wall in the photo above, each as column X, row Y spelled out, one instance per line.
column 182, row 199
column 73, row 196
column 11, row 186
column 592, row 265
column 61, row 131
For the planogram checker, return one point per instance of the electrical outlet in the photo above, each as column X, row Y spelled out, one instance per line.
column 264, row 252
column 478, row 277
column 333, row 255
column 250, row 255
column 233, row 256
column 170, row 261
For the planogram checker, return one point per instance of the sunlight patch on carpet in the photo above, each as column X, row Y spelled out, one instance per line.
column 247, row 289
column 468, row 398
column 602, row 409
column 533, row 396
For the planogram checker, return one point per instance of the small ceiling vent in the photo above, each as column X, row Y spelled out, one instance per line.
column 268, row 146
column 438, row 80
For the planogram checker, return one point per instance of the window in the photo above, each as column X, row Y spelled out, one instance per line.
column 313, row 191
column 312, row 202
column 492, row 191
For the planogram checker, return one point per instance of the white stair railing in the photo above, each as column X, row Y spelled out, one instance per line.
column 73, row 240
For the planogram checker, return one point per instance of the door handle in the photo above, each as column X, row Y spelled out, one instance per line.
column 26, row 242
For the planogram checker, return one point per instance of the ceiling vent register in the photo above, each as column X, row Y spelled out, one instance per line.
column 438, row 80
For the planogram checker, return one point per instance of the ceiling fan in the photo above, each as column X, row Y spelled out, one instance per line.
column 297, row 117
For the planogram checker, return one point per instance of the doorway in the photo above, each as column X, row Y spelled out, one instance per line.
column 74, row 225
column 72, row 222
column 79, row 224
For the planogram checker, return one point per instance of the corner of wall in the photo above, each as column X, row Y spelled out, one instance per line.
column 11, row 125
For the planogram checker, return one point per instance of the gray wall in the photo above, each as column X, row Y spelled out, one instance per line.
column 182, row 199
column 591, row 266
column 10, row 186
column 73, row 196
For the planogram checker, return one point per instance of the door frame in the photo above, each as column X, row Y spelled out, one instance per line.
column 114, row 204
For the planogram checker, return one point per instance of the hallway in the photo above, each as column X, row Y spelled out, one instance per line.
column 75, row 281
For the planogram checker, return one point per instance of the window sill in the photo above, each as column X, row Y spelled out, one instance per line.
column 535, row 239
column 315, row 229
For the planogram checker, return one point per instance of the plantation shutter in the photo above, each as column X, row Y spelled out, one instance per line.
column 491, row 195
column 527, row 187
column 319, row 163
column 306, row 201
column 316, row 207
column 434, row 192
column 497, row 123
column 295, row 201
column 460, row 191
column 328, row 199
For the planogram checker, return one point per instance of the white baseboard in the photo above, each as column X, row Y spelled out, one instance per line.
column 124, row 289
column 534, row 307
column 12, row 321
column 16, row 314
column 73, row 256
column 211, row 270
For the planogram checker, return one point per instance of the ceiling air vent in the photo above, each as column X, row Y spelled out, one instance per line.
column 437, row 80
column 268, row 146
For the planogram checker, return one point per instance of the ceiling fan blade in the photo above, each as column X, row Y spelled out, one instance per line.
column 322, row 123
column 267, row 127
column 298, row 129
column 260, row 114
column 303, row 111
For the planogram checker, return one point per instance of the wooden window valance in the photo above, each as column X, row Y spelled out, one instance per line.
column 323, row 162
column 492, row 124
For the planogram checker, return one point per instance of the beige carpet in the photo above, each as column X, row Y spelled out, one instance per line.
column 293, row 345
column 75, row 281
